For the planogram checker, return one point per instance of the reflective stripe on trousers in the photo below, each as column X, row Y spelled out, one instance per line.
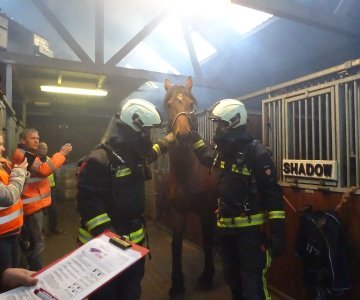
column 257, row 219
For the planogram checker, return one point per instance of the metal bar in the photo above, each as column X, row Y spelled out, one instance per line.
column 273, row 125
column 313, row 153
column 283, row 132
column 320, row 126
column 306, row 130
column 279, row 137
column 357, row 125
column 334, row 118
column 347, row 133
column 300, row 130
column 139, row 37
column 351, row 120
column 265, row 122
column 61, row 30
column 293, row 131
column 99, row 32
column 327, row 122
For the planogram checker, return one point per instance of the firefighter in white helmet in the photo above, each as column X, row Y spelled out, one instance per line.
column 249, row 196
column 111, row 191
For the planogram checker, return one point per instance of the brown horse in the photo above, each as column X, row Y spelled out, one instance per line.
column 188, row 186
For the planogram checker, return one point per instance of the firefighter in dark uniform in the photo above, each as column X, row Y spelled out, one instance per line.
column 111, row 191
column 249, row 195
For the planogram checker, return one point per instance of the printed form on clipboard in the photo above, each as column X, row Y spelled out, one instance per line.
column 80, row 273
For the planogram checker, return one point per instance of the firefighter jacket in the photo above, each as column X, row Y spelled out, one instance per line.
column 248, row 189
column 111, row 190
column 11, row 185
column 36, row 194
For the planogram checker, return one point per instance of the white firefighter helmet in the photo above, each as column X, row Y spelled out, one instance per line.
column 231, row 111
column 139, row 114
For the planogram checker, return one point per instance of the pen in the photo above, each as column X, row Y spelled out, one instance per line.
column 43, row 294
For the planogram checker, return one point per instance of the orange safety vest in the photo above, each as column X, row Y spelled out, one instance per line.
column 11, row 218
column 37, row 193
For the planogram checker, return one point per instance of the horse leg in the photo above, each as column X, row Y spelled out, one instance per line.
column 177, row 276
column 205, row 281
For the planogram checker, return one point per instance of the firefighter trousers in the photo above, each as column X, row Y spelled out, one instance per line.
column 126, row 286
column 245, row 264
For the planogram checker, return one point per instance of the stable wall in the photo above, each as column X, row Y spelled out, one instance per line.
column 286, row 271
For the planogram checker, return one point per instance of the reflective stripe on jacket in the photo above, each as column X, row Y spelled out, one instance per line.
column 36, row 194
column 251, row 219
column 137, row 236
column 52, row 180
column 236, row 222
column 51, row 177
column 11, row 218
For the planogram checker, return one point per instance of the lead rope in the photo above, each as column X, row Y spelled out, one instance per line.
column 346, row 196
column 290, row 205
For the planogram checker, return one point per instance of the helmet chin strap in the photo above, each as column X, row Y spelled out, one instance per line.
column 140, row 124
column 137, row 121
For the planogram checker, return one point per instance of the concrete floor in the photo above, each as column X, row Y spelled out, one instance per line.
column 156, row 282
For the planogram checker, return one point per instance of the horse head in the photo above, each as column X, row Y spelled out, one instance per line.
column 180, row 105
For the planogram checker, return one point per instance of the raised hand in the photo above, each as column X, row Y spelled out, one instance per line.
column 66, row 149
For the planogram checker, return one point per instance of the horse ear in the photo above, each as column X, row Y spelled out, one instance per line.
column 189, row 84
column 167, row 85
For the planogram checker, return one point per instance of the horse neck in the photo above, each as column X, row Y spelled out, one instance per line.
column 182, row 159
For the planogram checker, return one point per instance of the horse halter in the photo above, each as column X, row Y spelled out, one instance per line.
column 189, row 115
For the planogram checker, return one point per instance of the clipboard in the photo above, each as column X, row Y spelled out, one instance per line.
column 82, row 271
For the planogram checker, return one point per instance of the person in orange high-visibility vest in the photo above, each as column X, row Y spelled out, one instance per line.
column 36, row 194
column 11, row 215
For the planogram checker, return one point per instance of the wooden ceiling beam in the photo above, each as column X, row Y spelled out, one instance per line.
column 192, row 53
column 137, row 39
column 106, row 70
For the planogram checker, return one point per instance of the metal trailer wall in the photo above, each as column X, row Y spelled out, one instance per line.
column 315, row 118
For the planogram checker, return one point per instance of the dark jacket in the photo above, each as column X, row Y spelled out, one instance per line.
column 248, row 188
column 111, row 191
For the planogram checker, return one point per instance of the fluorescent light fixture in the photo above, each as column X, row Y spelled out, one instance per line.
column 73, row 91
column 41, row 103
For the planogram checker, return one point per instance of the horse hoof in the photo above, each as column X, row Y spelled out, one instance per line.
column 203, row 285
column 205, row 280
column 177, row 297
column 177, row 293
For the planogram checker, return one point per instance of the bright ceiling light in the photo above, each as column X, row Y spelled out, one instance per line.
column 73, row 91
